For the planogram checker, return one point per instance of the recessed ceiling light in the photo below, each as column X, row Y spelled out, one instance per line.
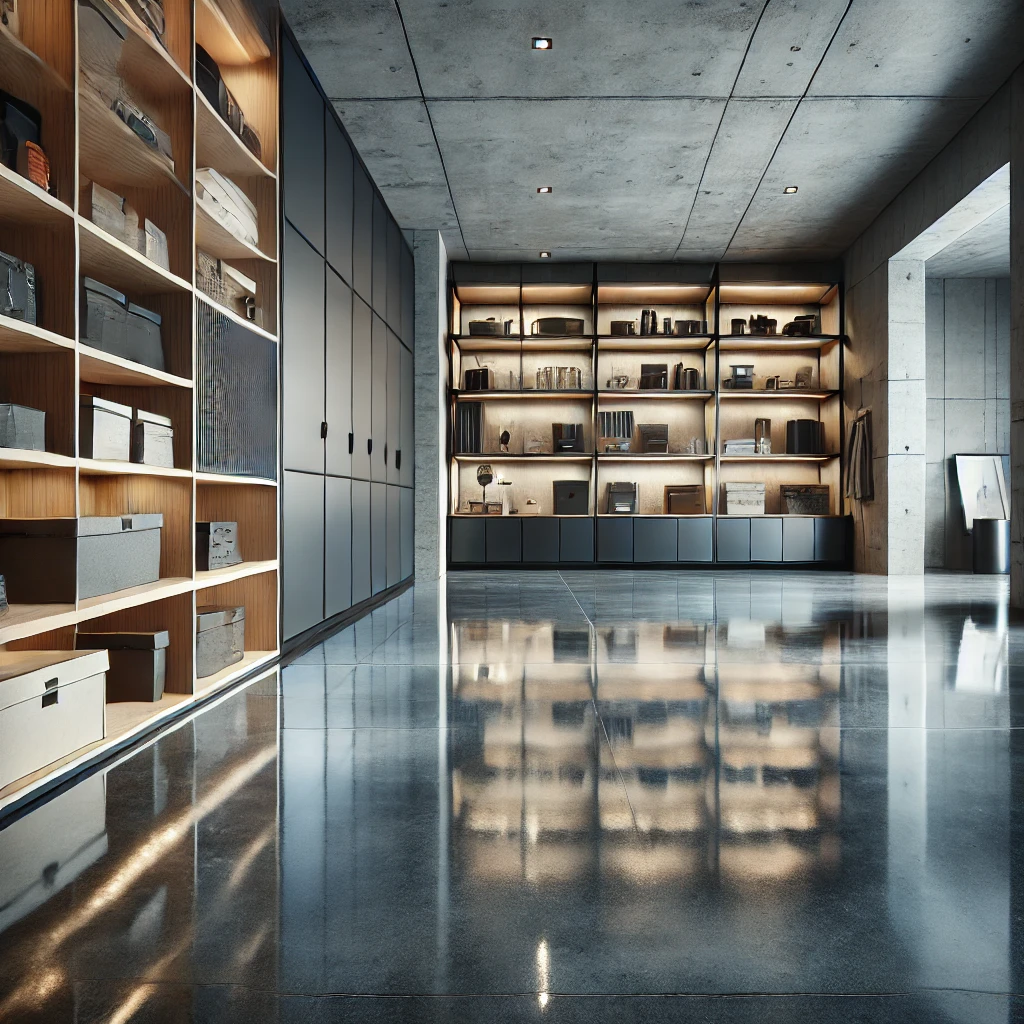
column 541, row 43
column 544, row 189
column 544, row 254
column 789, row 190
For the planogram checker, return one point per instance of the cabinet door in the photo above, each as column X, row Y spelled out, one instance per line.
column 766, row 540
column 408, row 513
column 361, row 589
column 407, row 439
column 830, row 540
column 394, row 552
column 339, row 376
column 798, row 539
column 654, row 540
column 362, row 232
column 576, row 540
column 694, row 539
column 379, row 400
column 615, row 540
column 338, row 198
column 503, row 539
column 302, row 149
column 408, row 297
column 394, row 430
column 395, row 246
column 337, row 546
column 466, row 540
column 733, row 540
column 303, row 552
column 540, row 539
column 378, row 537
column 380, row 257
column 302, row 354
column 362, row 374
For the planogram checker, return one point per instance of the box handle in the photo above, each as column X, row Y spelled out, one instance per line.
column 126, row 522
column 49, row 699
column 50, row 683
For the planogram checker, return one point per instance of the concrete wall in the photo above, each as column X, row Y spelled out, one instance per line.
column 967, row 323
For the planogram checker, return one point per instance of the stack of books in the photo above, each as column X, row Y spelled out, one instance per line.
column 740, row 446
column 744, row 499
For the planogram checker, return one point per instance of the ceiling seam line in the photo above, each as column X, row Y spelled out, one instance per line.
column 430, row 121
column 782, row 134
column 721, row 121
column 660, row 98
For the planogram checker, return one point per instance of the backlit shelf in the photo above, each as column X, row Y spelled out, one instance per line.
column 504, row 457
column 110, row 260
column 230, row 573
column 787, row 393
column 653, row 342
column 778, row 458
column 651, row 457
column 657, row 393
column 487, row 396
column 214, row 238
column 22, row 64
column 251, row 661
column 775, row 343
column 22, row 458
column 92, row 607
column 219, row 147
column 234, row 480
column 112, row 467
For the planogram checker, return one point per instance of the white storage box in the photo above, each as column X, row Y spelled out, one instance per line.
column 227, row 204
column 52, row 703
column 744, row 499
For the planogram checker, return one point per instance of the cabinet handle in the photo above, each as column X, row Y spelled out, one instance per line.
column 51, row 698
column 369, row 446
column 398, row 458
column 351, row 442
column 385, row 453
column 323, row 429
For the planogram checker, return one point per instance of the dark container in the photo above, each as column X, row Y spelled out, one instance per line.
column 106, row 429
column 138, row 663
column 991, row 545
column 654, row 376
column 220, row 638
column 18, row 297
column 3, row 596
column 622, row 498
column 567, row 437
column 804, row 437
column 145, row 340
column 216, row 545
column 490, row 328
column 623, row 328
column 104, row 317
column 22, row 427
column 558, row 325
column 480, row 379
column 53, row 561
column 152, row 440
column 572, row 497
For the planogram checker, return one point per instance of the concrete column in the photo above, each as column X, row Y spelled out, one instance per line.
column 430, row 357
column 1017, row 341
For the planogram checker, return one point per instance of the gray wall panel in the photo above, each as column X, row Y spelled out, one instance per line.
column 303, row 551
column 379, row 400
column 337, row 545
column 362, row 374
column 733, row 540
column 361, row 585
column 695, row 539
column 380, row 258
column 407, row 415
column 362, row 233
column 302, row 148
column 378, row 537
column 766, row 540
column 396, row 245
column 408, row 511
column 394, row 407
column 654, row 540
column 408, row 297
column 338, row 199
column 339, row 375
column 394, row 533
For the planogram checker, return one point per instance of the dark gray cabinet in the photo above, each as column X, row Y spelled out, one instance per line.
column 302, row 357
column 408, row 513
column 540, row 539
column 734, row 540
column 362, row 232
column 378, row 400
column 407, row 416
column 362, row 371
column 694, row 538
column 394, row 286
column 654, row 540
column 378, row 537
column 361, row 582
column 798, row 540
column 830, row 540
column 466, row 540
column 393, row 439
column 302, row 149
column 337, row 545
column 303, row 551
column 576, row 540
column 503, row 539
column 615, row 539
column 380, row 257
column 339, row 376
column 394, row 528
column 766, row 540
column 338, row 198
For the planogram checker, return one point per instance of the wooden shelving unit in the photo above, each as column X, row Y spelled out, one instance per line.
column 46, row 366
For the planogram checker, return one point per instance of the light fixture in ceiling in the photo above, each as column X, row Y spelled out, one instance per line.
column 544, row 189
column 541, row 43
column 544, row 254
column 789, row 190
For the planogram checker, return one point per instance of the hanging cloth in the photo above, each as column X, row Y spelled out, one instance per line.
column 860, row 481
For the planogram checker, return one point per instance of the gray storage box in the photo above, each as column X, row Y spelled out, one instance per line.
column 50, row 561
column 138, row 663
column 105, row 429
column 3, row 597
column 145, row 340
column 104, row 317
column 51, row 705
column 22, row 427
column 220, row 638
column 152, row 440
column 217, row 545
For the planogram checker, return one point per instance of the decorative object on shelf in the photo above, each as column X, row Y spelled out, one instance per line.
column 742, row 378
column 220, row 638
column 485, row 508
column 211, row 85
column 138, row 663
column 152, row 243
column 653, row 438
column 468, row 427
column 804, row 378
column 568, row 378
column 740, row 446
column 508, row 502
column 59, row 561
column 649, row 322
column 9, row 17
column 654, row 376
column 21, row 128
column 685, row 500
column 805, row 499
column 22, row 427
column 695, row 446
column 690, row 327
column 763, row 436
column 490, row 328
column 762, row 325
column 4, row 607
column 772, row 383
column 557, row 326
column 105, row 429
column 623, row 328
column 567, row 437
column 152, row 440
column 104, row 208
column 803, row 326
column 17, row 289
column 744, row 498
column 51, row 705
column 227, row 204
column 805, row 437
column 617, row 383
column 616, row 429
column 738, row 326
column 685, row 378
column 145, row 336
column 145, row 128
column 571, row 497
column 543, row 379
column 228, row 285
column 112, row 324
column 479, row 379
column 484, row 475
column 666, row 325
column 217, row 546
column 531, row 508
column 533, row 445
column 622, row 495
column 504, row 440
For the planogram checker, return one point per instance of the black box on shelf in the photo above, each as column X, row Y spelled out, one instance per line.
column 138, row 663
column 480, row 379
column 557, row 326
column 805, row 437
column 105, row 429
column 53, row 561
column 217, row 545
column 152, row 440
column 468, row 427
column 145, row 338
column 22, row 427
column 622, row 498
column 220, row 638
column 653, row 437
column 571, row 497
column 567, row 437
column 104, row 318
column 18, row 295
column 4, row 608
column 654, row 376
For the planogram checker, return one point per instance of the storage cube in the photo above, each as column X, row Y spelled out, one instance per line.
column 138, row 663
column 105, row 429
column 220, row 638
column 744, row 499
column 104, row 317
column 152, row 440
column 22, row 427
column 216, row 545
column 145, row 341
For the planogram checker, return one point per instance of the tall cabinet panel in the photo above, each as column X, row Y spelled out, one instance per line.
column 395, row 246
column 394, row 552
column 408, row 297
column 407, row 417
column 378, row 537
column 337, row 546
column 338, row 199
column 408, row 541
column 379, row 400
column 394, row 407
column 361, row 586
column 302, row 145
column 380, row 257
column 362, row 233
column 362, row 363
column 340, row 441
column 303, row 510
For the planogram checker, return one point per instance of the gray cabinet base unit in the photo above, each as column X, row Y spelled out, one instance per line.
column 466, row 541
column 655, row 540
column 408, row 512
column 337, row 545
column 378, row 537
column 694, row 538
column 303, row 551
column 361, row 590
column 830, row 539
column 540, row 539
column 766, row 540
column 503, row 538
column 615, row 539
column 734, row 540
column 798, row 540
column 576, row 540
column 394, row 556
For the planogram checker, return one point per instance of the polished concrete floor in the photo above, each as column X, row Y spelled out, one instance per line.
column 567, row 797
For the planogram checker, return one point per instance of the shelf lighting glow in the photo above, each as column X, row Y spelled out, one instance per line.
column 544, row 189
column 544, row 254
column 789, row 190
column 541, row 43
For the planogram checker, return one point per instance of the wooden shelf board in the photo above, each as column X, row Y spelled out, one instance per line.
column 103, row 368
column 502, row 457
column 774, row 343
column 487, row 396
column 651, row 457
column 773, row 293
column 113, row 262
column 105, row 467
column 789, row 393
column 227, row 478
column 24, row 620
column 778, row 458
column 144, row 61
column 250, row 661
column 654, row 343
column 654, row 393
column 20, row 458
column 558, row 294
column 217, row 146
column 653, row 294
column 93, row 607
column 221, row 41
column 22, row 64
column 232, row 315
column 23, row 202
column 216, row 240
column 214, row 577
column 18, row 336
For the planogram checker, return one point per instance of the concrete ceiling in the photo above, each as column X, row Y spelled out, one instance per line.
column 668, row 128
column 984, row 251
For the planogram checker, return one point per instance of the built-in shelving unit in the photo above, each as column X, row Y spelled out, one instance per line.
column 46, row 366
column 678, row 382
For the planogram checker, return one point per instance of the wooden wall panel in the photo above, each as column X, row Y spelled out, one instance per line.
column 254, row 508
column 259, row 596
